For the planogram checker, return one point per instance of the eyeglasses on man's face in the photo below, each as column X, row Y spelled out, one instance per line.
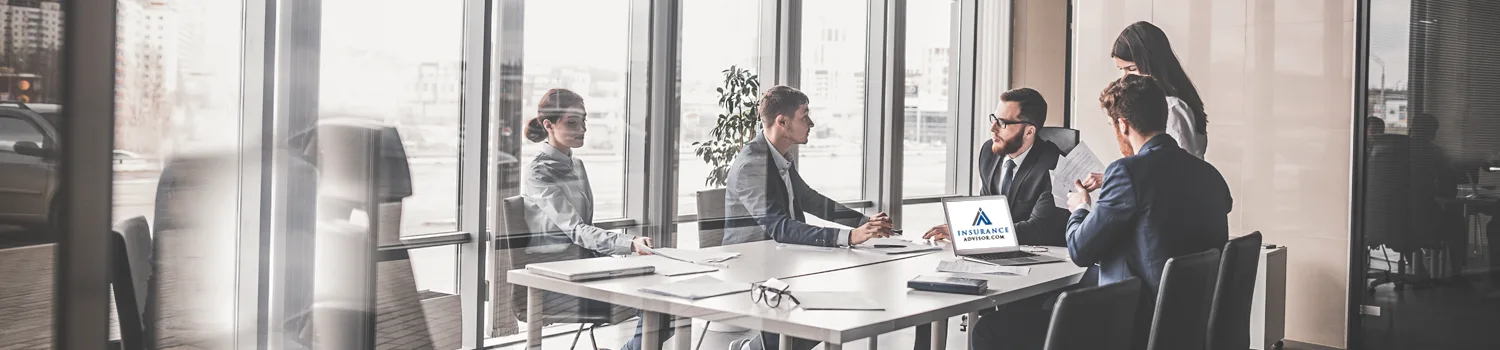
column 997, row 123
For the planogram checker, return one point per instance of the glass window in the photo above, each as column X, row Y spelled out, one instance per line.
column 833, row 77
column 367, row 75
column 929, row 128
column 176, row 164
column 709, row 48
column 377, row 70
column 16, row 129
column 593, row 65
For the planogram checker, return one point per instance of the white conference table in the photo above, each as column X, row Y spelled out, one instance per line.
column 880, row 276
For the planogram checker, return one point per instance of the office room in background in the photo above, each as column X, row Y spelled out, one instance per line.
column 341, row 174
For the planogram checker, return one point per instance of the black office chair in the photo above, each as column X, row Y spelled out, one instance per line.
column 1183, row 302
column 556, row 308
column 1095, row 318
column 130, row 275
column 1229, row 319
column 1065, row 138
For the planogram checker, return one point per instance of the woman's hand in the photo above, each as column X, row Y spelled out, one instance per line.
column 641, row 245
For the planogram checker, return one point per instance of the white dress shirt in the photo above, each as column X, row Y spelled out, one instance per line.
column 1019, row 160
column 1182, row 125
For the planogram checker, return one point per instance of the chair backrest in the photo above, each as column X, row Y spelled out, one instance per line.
column 517, row 242
column 1229, row 320
column 130, row 252
column 1095, row 318
column 1065, row 138
column 711, row 217
column 1184, row 300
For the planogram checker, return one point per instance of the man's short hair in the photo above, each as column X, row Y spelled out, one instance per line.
column 1137, row 99
column 1033, row 106
column 780, row 100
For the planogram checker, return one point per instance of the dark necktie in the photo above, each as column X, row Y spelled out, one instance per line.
column 1010, row 173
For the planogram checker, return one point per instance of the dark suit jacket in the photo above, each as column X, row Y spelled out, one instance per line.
column 1038, row 219
column 757, row 192
column 1157, row 204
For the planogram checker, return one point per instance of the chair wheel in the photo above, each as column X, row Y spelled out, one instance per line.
column 1278, row 345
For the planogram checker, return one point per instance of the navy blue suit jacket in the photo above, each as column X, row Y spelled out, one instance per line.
column 1157, row 204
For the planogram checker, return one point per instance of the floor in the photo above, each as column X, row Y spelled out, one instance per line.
column 1461, row 314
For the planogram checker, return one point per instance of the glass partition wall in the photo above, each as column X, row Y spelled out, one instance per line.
column 358, row 174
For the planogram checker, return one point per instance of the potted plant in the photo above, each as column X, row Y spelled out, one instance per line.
column 736, row 126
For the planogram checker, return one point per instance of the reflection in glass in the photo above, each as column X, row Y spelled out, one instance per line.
column 833, row 76
column 1429, row 183
column 930, row 127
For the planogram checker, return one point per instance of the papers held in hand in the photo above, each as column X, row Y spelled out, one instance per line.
column 698, row 288
column 895, row 246
column 1076, row 166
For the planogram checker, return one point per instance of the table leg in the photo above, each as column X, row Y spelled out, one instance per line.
column 832, row 346
column 533, row 318
column 875, row 342
column 784, row 342
column 650, row 332
column 939, row 331
column 684, row 335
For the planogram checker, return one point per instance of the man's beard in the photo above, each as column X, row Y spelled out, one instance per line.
column 1125, row 148
column 1004, row 147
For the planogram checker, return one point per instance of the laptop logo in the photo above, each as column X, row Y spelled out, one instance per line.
column 981, row 219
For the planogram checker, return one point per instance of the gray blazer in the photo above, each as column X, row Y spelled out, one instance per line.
column 560, row 205
column 757, row 197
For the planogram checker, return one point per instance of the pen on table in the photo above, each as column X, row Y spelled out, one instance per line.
column 980, row 261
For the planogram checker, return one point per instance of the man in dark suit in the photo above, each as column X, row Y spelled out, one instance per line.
column 1157, row 202
column 1016, row 164
column 764, row 186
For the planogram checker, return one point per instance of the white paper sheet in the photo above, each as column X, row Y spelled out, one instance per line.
column 906, row 246
column 698, row 288
column 965, row 266
column 853, row 301
column 694, row 255
column 1076, row 166
column 668, row 267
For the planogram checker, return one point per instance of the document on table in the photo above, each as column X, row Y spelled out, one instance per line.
column 698, row 288
column 694, row 255
column 883, row 245
column 811, row 248
column 965, row 266
column 668, row 267
column 854, row 301
column 1076, row 166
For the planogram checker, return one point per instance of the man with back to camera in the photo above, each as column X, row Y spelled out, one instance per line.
column 765, row 186
column 1017, row 164
column 1157, row 202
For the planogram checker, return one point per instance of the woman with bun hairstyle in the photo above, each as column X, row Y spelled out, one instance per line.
column 1143, row 49
column 556, row 186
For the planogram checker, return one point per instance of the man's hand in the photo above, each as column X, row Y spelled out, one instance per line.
column 937, row 233
column 1093, row 182
column 641, row 245
column 1079, row 196
column 871, row 229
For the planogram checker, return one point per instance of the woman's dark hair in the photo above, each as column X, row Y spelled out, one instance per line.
column 549, row 109
column 1146, row 45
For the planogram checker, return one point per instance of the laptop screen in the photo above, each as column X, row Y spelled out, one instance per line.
column 980, row 224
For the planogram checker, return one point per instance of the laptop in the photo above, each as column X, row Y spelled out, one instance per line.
column 591, row 269
column 981, row 228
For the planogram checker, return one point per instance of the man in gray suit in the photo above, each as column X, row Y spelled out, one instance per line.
column 768, row 197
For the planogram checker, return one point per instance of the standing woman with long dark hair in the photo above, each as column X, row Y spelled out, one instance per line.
column 1143, row 49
